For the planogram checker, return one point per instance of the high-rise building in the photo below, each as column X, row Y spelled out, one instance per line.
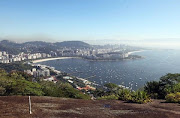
column 0, row 53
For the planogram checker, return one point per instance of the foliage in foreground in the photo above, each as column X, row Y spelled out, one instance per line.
column 62, row 90
column 16, row 83
column 109, row 97
column 169, row 83
column 115, row 92
column 140, row 97
column 173, row 97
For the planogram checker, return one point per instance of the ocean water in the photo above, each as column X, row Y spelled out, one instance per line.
column 130, row 73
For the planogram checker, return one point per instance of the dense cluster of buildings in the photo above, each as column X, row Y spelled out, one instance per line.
column 113, row 55
column 43, row 71
column 8, row 58
column 100, row 53
column 81, row 52
column 76, row 52
column 40, row 72
column 94, row 53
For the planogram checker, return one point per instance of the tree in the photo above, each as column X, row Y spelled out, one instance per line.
column 152, row 88
column 23, row 87
column 166, row 85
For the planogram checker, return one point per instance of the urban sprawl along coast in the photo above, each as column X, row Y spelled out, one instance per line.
column 100, row 54
column 30, row 56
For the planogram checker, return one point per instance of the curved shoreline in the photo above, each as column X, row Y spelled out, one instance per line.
column 49, row 59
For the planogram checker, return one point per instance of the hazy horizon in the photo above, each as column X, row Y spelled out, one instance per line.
column 154, row 23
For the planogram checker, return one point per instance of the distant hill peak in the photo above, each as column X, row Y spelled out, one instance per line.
column 7, row 41
column 75, row 44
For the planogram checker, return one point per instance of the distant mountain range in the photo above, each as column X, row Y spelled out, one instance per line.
column 40, row 46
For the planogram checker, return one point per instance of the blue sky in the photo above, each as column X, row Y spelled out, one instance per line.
column 90, row 20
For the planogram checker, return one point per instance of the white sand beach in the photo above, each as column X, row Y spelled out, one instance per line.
column 135, row 51
column 48, row 59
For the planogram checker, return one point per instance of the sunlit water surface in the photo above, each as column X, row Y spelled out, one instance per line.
column 130, row 73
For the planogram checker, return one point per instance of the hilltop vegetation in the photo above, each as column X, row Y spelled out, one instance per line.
column 73, row 44
column 17, row 66
column 115, row 92
column 39, row 46
column 167, row 88
column 16, row 83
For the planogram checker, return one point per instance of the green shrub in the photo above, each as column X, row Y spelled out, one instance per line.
column 109, row 97
column 173, row 97
column 124, row 94
column 170, row 97
column 136, row 97
column 177, row 97
column 140, row 97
